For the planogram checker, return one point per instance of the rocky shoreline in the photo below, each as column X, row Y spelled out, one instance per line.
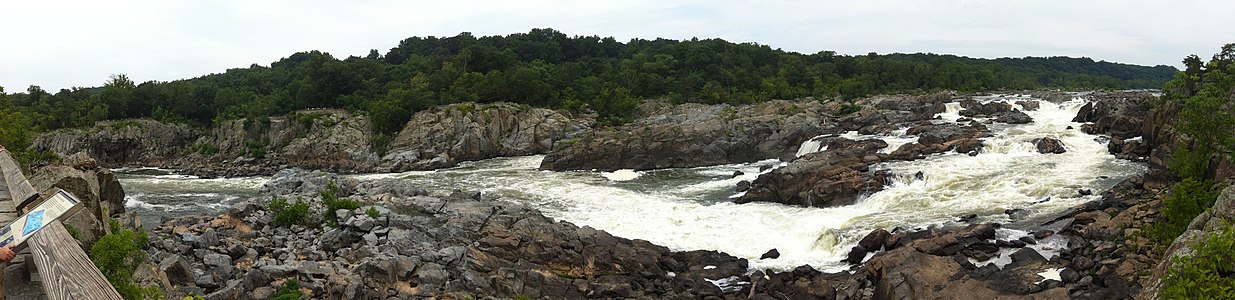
column 405, row 243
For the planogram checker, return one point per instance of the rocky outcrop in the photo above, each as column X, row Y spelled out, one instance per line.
column 822, row 179
column 690, row 135
column 117, row 143
column 999, row 111
column 326, row 139
column 887, row 113
column 446, row 135
column 940, row 138
column 97, row 188
column 406, row 245
column 1120, row 115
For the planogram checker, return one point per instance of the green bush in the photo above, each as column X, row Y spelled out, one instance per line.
column 117, row 256
column 207, row 149
column 289, row 291
column 848, row 108
column 1209, row 273
column 1188, row 198
column 257, row 149
column 372, row 212
column 307, row 119
column 286, row 214
column 332, row 202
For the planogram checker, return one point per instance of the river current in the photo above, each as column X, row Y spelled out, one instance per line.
column 691, row 209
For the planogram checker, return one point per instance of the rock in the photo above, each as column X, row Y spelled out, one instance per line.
column 1116, row 114
column 736, row 174
column 1085, row 192
column 742, row 186
column 875, row 240
column 254, row 279
column 692, row 135
column 856, row 255
column 446, row 135
column 217, row 260
column 1050, row 145
column 1028, row 105
column 1028, row 240
column 127, row 142
column 1042, row 234
column 1014, row 117
column 967, row 218
column 771, row 254
column 1025, row 256
column 823, row 179
column 178, row 270
column 1068, row 275
column 974, row 108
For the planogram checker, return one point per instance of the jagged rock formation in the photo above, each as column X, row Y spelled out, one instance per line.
column 691, row 135
column 446, row 135
column 142, row 142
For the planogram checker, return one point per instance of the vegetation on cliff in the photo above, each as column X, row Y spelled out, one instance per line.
column 547, row 68
column 1204, row 95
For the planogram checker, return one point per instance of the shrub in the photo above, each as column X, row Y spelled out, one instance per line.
column 1209, row 273
column 117, row 256
column 288, row 214
column 848, row 108
column 372, row 212
column 330, row 199
column 257, row 149
column 1188, row 198
column 207, row 149
column 289, row 291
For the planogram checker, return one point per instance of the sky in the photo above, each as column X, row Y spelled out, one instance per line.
column 62, row 44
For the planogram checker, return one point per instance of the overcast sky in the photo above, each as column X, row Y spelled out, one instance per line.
column 59, row 44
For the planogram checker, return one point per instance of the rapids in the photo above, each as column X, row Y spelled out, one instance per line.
column 690, row 208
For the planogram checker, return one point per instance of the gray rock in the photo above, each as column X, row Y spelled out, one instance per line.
column 278, row 270
column 178, row 270
column 432, row 273
column 217, row 260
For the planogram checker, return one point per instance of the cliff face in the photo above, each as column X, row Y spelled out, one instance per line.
column 691, row 135
column 143, row 142
column 446, row 135
column 317, row 139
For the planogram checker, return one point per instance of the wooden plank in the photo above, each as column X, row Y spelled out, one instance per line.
column 20, row 189
column 66, row 271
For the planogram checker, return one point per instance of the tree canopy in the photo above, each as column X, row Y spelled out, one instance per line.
column 547, row 68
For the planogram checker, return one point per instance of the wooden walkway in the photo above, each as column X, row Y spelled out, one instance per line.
column 64, row 268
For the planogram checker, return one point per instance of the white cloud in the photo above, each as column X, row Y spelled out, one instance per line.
column 59, row 44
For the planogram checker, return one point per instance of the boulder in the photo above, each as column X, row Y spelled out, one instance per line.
column 1049, row 145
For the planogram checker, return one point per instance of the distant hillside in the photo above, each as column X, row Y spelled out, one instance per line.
column 547, row 68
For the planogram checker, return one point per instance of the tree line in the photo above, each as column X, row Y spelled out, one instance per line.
column 547, row 68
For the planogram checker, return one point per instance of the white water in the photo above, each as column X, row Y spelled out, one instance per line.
column 688, row 209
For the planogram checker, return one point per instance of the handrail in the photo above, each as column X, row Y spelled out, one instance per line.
column 65, row 269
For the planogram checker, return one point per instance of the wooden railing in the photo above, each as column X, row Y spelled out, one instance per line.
column 66, row 270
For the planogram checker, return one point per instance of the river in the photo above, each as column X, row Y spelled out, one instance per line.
column 690, row 208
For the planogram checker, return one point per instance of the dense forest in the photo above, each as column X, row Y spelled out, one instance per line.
column 547, row 68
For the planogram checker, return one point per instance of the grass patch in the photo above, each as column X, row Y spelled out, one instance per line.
column 289, row 291
column 848, row 108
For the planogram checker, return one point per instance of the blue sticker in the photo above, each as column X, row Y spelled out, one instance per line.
column 5, row 230
column 34, row 221
column 6, row 241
